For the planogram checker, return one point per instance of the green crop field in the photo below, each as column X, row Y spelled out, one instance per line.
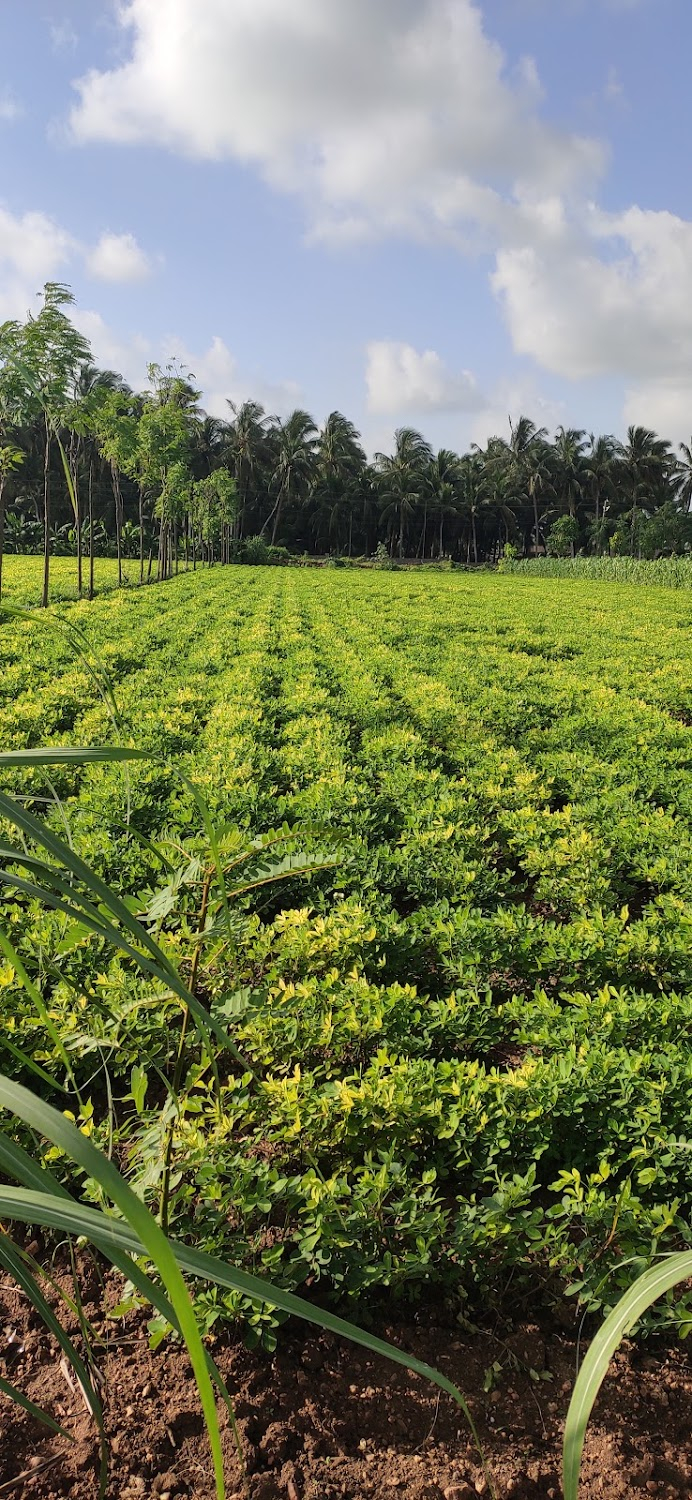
column 462, row 1005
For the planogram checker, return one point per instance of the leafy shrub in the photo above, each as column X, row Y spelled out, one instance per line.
column 255, row 550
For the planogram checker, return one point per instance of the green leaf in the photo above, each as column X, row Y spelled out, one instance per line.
column 646, row 1290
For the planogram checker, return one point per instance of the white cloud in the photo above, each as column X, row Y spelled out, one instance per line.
column 614, row 91
column 10, row 108
column 510, row 400
column 664, row 405
column 127, row 354
column 399, row 115
column 33, row 249
column 118, row 257
column 63, row 36
column 404, row 117
column 216, row 372
column 608, row 297
column 400, row 379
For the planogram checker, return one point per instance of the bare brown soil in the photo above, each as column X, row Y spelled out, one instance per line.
column 322, row 1421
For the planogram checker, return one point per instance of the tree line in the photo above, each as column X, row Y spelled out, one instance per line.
column 89, row 467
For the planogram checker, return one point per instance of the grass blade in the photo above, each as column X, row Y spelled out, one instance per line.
column 32, row 1409
column 645, row 1291
column 148, row 1236
column 14, row 1263
column 109, row 1233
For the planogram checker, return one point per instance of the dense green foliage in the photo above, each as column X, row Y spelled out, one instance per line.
column 664, row 572
column 89, row 466
column 465, row 1040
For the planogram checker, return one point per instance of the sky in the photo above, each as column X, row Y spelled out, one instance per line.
column 437, row 213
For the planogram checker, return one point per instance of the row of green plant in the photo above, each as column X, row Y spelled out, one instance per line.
column 666, row 572
column 455, row 1032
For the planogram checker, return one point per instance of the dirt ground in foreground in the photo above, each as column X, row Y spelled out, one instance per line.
column 322, row 1421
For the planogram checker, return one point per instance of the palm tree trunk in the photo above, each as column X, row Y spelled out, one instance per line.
column 46, row 516
column 442, row 526
column 474, row 537
column 141, row 537
column 401, row 529
column 277, row 515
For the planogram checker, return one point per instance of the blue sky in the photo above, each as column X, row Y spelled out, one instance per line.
column 436, row 212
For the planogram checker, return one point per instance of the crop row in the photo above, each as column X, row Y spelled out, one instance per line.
column 467, row 1038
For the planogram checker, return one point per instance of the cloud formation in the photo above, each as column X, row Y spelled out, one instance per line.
column 405, row 118
column 395, row 116
column 10, row 109
column 609, row 296
column 118, row 257
column 399, row 378
column 217, row 373
column 33, row 249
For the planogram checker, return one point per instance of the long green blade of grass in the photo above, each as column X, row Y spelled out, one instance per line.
column 32, row 1409
column 63, row 1134
column 107, row 1233
column 646, row 1290
column 14, row 1263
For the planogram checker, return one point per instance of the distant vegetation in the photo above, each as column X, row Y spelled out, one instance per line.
column 667, row 572
column 91, row 468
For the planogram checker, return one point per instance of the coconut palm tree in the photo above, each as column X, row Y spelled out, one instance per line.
column 646, row 463
column 339, row 469
column 403, row 478
column 522, row 466
column 295, row 466
column 247, row 451
column 442, row 489
column 684, row 475
column 600, row 481
column 570, row 470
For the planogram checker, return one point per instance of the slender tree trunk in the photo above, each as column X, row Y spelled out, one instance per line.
column 401, row 529
column 161, row 565
column 474, row 536
column 2, row 528
column 141, row 537
column 90, row 503
column 46, row 517
column 78, row 522
column 442, row 527
column 117, row 497
column 186, row 541
column 175, row 547
column 277, row 516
